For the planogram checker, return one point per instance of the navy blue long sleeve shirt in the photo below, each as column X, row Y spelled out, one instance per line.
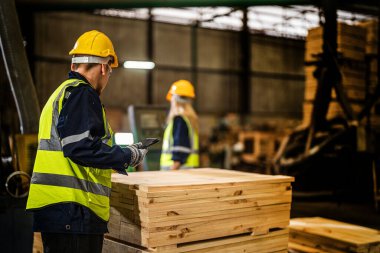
column 180, row 139
column 81, row 112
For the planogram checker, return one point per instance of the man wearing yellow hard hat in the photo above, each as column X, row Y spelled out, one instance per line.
column 180, row 148
column 71, row 181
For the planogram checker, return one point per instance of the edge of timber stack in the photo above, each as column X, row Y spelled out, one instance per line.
column 199, row 210
column 318, row 234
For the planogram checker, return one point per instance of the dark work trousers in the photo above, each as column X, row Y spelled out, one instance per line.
column 72, row 243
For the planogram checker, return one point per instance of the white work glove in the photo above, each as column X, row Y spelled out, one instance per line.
column 137, row 154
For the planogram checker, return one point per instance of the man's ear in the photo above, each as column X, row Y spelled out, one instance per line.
column 72, row 67
column 103, row 69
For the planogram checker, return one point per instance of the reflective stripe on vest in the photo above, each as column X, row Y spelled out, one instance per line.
column 57, row 179
column 167, row 148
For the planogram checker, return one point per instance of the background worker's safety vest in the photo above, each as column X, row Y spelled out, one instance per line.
column 57, row 179
column 167, row 148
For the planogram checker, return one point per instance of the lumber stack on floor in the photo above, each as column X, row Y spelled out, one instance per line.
column 325, row 235
column 164, row 211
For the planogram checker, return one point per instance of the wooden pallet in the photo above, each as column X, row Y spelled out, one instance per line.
column 324, row 235
column 159, row 208
column 275, row 241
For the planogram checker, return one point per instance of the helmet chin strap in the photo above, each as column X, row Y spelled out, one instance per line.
column 91, row 59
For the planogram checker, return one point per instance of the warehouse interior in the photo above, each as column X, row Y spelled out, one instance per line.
column 282, row 88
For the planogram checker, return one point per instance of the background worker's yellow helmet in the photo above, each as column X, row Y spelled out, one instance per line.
column 181, row 88
column 94, row 43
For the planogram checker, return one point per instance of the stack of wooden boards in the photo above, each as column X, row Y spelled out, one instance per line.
column 372, row 42
column 351, row 45
column 199, row 210
column 324, row 235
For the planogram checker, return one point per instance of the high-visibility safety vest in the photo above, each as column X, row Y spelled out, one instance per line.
column 167, row 148
column 57, row 179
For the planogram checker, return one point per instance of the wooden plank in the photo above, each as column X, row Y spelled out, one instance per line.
column 213, row 191
column 152, row 205
column 223, row 205
column 274, row 242
column 214, row 232
column 217, row 215
column 342, row 29
column 249, row 219
column 158, row 236
column 304, row 249
column 154, row 181
column 254, row 199
column 333, row 235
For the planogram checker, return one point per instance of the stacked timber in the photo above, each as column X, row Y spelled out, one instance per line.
column 324, row 235
column 371, row 36
column 371, row 27
column 351, row 43
column 198, row 210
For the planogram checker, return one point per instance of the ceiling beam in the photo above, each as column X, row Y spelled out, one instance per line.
column 126, row 4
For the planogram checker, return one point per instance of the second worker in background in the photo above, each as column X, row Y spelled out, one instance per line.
column 180, row 148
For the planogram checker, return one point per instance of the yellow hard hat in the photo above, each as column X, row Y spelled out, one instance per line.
column 97, row 44
column 181, row 88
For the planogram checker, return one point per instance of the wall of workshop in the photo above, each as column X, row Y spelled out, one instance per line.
column 277, row 82
column 55, row 36
column 276, row 86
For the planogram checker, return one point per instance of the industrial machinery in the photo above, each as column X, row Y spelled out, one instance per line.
column 148, row 122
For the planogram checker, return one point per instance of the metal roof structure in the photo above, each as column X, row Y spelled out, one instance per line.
column 282, row 21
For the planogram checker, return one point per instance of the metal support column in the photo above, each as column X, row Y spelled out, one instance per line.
column 150, row 58
column 326, row 70
column 245, row 85
column 194, row 59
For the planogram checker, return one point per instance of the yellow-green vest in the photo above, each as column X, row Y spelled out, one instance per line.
column 167, row 148
column 57, row 179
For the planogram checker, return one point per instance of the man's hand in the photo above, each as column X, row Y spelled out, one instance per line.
column 137, row 154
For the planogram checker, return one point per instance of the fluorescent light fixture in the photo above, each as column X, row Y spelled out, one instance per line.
column 123, row 138
column 138, row 65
